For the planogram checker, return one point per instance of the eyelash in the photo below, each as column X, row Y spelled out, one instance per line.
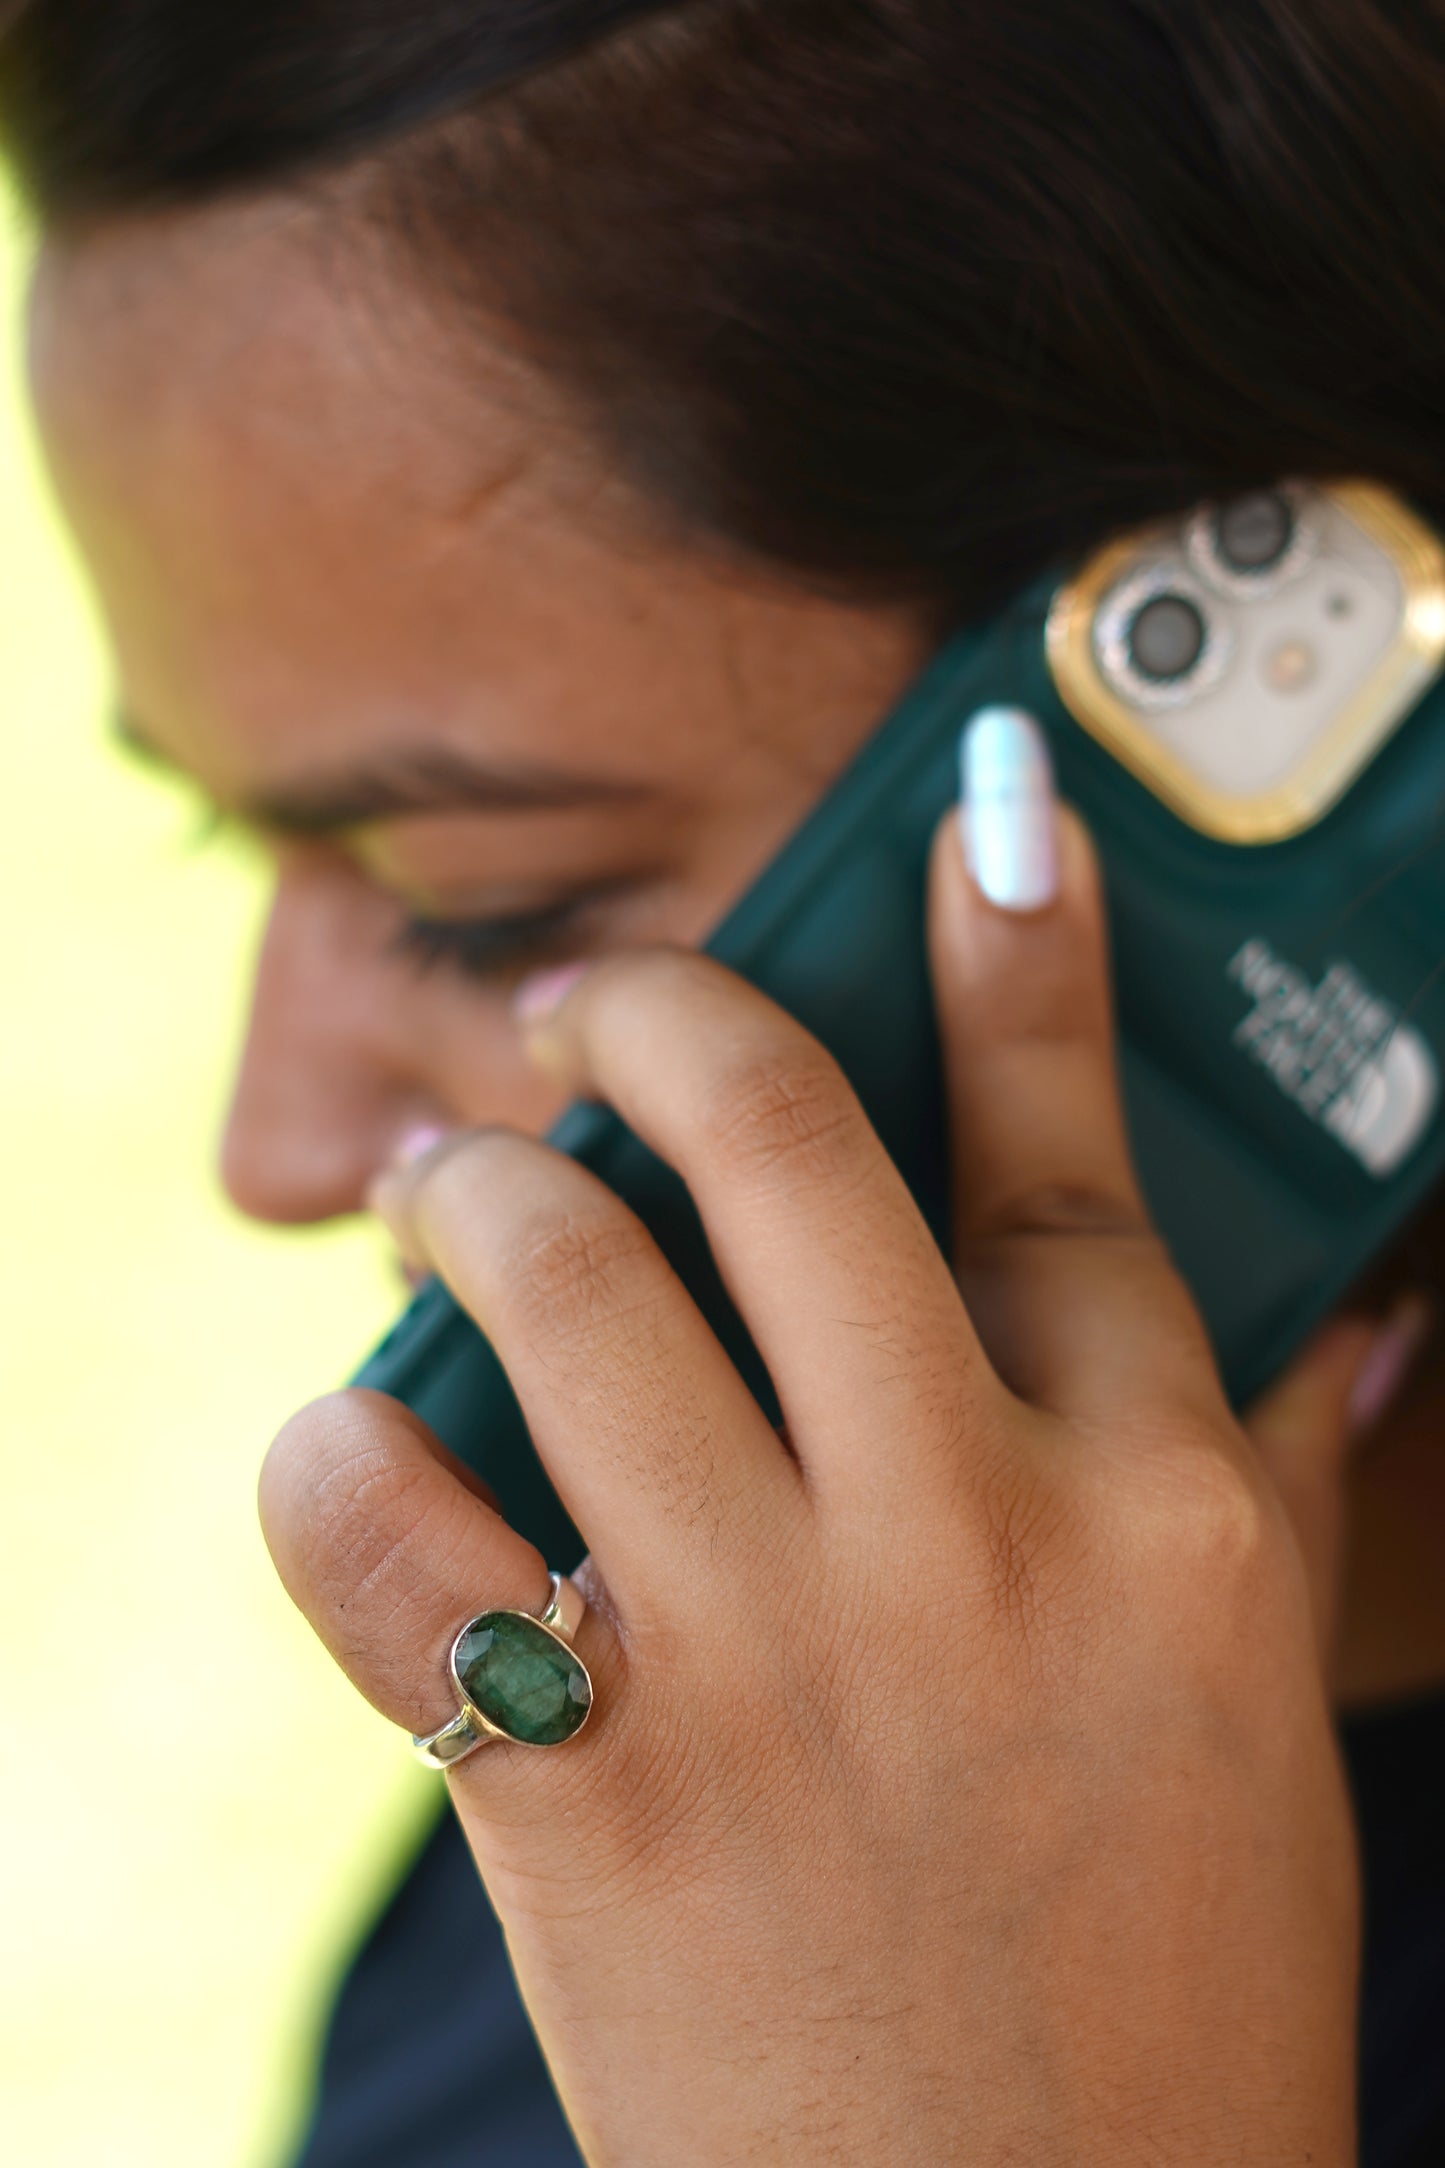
column 486, row 948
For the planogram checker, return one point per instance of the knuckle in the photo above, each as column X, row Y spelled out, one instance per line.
column 1232, row 1585
column 359, row 1521
column 574, row 1271
column 1051, row 1209
column 547, row 1249
column 1226, row 1530
column 784, row 1108
column 1205, row 1522
column 1056, row 1009
column 370, row 1515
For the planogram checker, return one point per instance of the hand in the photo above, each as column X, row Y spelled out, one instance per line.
column 961, row 1785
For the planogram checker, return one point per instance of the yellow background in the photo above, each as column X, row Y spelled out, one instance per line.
column 195, row 1808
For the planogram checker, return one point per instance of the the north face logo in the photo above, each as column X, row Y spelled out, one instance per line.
column 1340, row 1053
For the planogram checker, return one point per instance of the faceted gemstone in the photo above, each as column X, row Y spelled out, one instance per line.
column 524, row 1679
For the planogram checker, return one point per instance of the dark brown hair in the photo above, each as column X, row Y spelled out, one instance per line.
column 911, row 296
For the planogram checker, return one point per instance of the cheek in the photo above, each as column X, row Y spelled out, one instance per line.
column 362, row 1032
column 461, row 1042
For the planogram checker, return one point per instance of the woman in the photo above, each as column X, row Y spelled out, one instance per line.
column 521, row 452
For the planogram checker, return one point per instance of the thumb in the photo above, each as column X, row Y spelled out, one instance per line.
column 1310, row 1421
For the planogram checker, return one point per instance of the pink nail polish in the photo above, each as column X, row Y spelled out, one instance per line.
column 541, row 995
column 1389, row 1362
column 415, row 1143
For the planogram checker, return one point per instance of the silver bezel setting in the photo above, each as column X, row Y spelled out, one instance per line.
column 1111, row 637
column 560, row 1617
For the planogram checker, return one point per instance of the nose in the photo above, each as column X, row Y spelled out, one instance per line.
column 321, row 1098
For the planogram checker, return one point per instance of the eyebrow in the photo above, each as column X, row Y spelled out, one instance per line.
column 433, row 779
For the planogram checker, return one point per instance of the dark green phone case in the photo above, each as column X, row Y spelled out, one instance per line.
column 1281, row 1019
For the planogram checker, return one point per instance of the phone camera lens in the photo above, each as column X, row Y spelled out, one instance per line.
column 1157, row 640
column 1165, row 638
column 1252, row 534
column 1250, row 545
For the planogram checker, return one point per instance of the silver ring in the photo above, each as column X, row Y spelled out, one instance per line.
column 518, row 1677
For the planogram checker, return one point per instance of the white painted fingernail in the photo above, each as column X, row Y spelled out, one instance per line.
column 1009, row 809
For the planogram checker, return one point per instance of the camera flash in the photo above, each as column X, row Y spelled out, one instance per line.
column 1290, row 666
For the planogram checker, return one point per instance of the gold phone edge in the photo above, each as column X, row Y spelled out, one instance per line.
column 1370, row 719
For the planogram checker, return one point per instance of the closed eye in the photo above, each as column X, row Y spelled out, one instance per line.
column 474, row 948
column 486, row 948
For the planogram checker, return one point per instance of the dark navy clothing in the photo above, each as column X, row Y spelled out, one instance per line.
column 431, row 2062
column 1397, row 1770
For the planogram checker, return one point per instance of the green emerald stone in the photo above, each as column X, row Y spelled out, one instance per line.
column 524, row 1679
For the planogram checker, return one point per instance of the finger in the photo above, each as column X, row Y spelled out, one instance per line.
column 1308, row 1424
column 656, row 1447
column 1073, row 1294
column 388, row 1549
column 822, row 1247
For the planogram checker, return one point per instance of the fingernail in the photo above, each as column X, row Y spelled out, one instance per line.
column 541, row 995
column 415, row 1143
column 387, row 1184
column 1390, row 1361
column 1008, row 810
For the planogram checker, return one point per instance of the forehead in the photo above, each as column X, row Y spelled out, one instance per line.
column 308, row 503
column 277, row 328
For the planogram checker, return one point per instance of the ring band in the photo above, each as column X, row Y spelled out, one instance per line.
column 518, row 1678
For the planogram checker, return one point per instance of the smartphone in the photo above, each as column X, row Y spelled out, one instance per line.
column 1247, row 706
